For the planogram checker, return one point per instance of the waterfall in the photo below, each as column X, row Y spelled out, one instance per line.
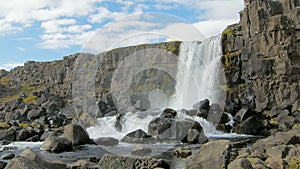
column 198, row 73
column 198, row 77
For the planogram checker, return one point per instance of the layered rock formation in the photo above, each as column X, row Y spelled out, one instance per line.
column 262, row 58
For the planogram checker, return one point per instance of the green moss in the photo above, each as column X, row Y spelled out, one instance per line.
column 4, row 125
column 172, row 48
column 227, row 32
column 273, row 122
column 23, row 125
column 294, row 163
column 4, row 80
column 229, row 59
column 31, row 99
column 26, row 89
column 225, row 88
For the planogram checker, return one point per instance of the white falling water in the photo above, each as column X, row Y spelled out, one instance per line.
column 198, row 78
column 198, row 75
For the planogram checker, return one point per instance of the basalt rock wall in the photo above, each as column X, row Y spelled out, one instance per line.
column 262, row 57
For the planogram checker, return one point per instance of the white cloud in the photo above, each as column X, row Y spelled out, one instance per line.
column 213, row 27
column 9, row 66
column 137, row 29
column 59, row 19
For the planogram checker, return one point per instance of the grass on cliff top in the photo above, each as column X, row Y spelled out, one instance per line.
column 27, row 90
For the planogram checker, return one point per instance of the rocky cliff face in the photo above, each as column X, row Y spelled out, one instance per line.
column 78, row 75
column 262, row 57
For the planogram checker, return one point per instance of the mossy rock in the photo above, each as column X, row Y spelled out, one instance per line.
column 4, row 125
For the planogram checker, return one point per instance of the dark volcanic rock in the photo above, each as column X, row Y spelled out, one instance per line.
column 138, row 136
column 115, row 162
column 214, row 154
column 56, row 145
column 141, row 150
column 76, row 134
column 169, row 113
column 249, row 126
column 39, row 159
column 106, row 141
column 8, row 134
column 23, row 163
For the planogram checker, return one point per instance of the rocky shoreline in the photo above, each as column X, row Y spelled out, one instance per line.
column 262, row 70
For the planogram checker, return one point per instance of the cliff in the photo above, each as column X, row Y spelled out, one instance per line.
column 262, row 58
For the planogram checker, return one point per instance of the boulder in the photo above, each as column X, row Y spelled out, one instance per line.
column 35, row 114
column 13, row 116
column 291, row 137
column 169, row 113
column 7, row 156
column 39, row 159
column 202, row 105
column 115, row 162
column 48, row 134
column 76, row 134
column 56, row 145
column 249, row 126
column 241, row 163
column 214, row 154
column 138, row 136
column 25, row 133
column 8, row 134
column 159, row 125
column 106, row 141
column 23, row 163
column 182, row 152
column 56, row 122
column 243, row 114
column 2, row 164
column 140, row 150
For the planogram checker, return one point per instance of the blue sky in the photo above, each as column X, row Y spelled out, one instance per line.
column 46, row 30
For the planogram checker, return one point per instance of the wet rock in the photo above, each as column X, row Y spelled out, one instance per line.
column 76, row 134
column 56, row 145
column 202, row 105
column 8, row 156
column 182, row 152
column 39, row 159
column 2, row 164
column 159, row 125
column 241, row 164
column 56, row 122
column 214, row 154
column 243, row 114
column 25, row 133
column 249, row 126
column 140, row 150
column 106, row 141
column 169, row 114
column 33, row 139
column 138, row 136
column 114, row 162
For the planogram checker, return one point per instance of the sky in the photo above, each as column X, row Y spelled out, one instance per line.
column 47, row 30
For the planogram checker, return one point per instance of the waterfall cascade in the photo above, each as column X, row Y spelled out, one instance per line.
column 198, row 73
column 197, row 78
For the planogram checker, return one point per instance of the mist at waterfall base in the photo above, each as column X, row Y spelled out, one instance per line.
column 198, row 78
